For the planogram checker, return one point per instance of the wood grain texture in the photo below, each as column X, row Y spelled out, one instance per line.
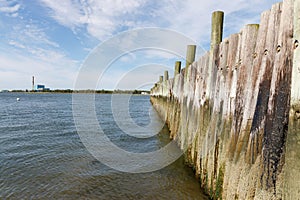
column 236, row 109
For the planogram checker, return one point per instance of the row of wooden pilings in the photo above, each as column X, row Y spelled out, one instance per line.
column 216, row 38
column 249, row 113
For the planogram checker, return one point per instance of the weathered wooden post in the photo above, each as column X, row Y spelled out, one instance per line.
column 161, row 78
column 165, row 84
column 216, row 28
column 177, row 68
column 292, row 158
column 216, row 38
column 166, row 76
column 295, row 92
column 190, row 58
column 190, row 55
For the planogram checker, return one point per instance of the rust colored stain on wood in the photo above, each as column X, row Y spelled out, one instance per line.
column 232, row 109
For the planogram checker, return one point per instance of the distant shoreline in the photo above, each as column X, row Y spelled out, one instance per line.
column 68, row 91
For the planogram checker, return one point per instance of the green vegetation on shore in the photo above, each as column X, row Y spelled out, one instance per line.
column 86, row 91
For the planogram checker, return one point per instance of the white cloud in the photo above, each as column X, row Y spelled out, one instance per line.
column 129, row 57
column 30, row 51
column 33, row 41
column 192, row 17
column 32, row 34
column 66, row 12
column 101, row 18
column 158, row 53
column 87, row 49
column 143, row 76
column 104, row 18
column 16, row 44
column 9, row 9
column 16, row 71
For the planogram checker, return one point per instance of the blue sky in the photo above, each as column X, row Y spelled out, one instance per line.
column 50, row 39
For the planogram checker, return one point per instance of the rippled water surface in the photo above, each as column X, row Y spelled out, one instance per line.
column 42, row 157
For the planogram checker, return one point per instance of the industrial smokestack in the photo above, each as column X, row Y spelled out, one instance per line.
column 32, row 83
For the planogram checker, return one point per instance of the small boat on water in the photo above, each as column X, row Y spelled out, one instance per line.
column 18, row 99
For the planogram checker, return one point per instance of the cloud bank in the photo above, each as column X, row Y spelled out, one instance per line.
column 51, row 37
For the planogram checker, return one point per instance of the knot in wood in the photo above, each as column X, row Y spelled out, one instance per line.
column 240, row 61
column 254, row 55
column 297, row 115
column 278, row 48
column 296, row 44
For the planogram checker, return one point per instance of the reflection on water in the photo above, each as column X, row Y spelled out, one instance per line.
column 42, row 156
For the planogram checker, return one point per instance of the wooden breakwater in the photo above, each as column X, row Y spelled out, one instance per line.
column 236, row 110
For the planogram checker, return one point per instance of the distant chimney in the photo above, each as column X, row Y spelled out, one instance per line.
column 32, row 83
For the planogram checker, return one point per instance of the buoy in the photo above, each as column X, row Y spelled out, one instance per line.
column 18, row 99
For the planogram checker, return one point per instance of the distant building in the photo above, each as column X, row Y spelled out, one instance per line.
column 42, row 88
column 38, row 87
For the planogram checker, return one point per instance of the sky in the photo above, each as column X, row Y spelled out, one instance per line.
column 53, row 39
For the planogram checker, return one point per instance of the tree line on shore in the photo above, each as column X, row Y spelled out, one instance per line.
column 86, row 91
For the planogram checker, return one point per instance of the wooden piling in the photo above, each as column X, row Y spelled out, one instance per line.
column 190, row 55
column 216, row 38
column 161, row 78
column 231, row 108
column 177, row 68
column 295, row 91
column 216, row 28
column 292, row 156
column 166, row 76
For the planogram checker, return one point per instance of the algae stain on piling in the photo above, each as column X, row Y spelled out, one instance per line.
column 236, row 109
